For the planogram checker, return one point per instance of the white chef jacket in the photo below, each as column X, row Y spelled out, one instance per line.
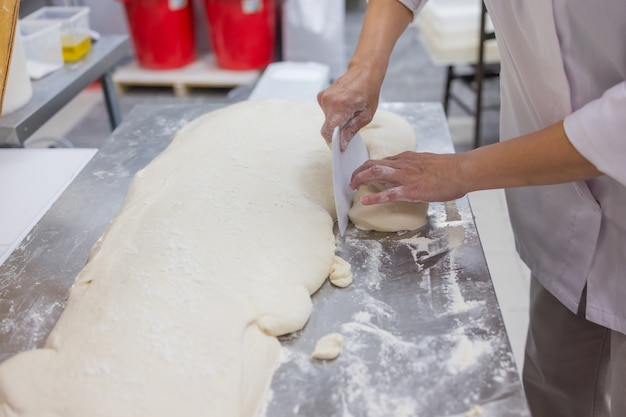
column 566, row 59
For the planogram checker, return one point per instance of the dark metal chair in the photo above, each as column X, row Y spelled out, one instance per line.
column 473, row 77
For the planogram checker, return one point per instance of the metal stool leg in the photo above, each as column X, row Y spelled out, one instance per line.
column 110, row 98
column 479, row 76
column 446, row 94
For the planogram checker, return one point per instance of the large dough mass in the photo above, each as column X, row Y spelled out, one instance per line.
column 219, row 244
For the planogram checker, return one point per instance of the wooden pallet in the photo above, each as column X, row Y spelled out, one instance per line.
column 203, row 73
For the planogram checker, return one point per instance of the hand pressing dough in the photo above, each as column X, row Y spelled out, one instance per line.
column 328, row 347
column 216, row 250
column 340, row 273
column 387, row 135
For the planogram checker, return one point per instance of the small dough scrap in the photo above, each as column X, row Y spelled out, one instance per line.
column 328, row 347
column 340, row 273
column 386, row 217
column 475, row 411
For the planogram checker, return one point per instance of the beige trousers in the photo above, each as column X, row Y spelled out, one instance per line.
column 573, row 367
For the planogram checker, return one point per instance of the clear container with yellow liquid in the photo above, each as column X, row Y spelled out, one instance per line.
column 75, row 36
column 74, row 48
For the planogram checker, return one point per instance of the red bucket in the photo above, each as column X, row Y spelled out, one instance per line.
column 162, row 32
column 242, row 32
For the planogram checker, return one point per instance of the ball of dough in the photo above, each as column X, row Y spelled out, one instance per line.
column 387, row 135
column 386, row 217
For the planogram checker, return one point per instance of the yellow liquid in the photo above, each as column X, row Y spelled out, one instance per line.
column 74, row 52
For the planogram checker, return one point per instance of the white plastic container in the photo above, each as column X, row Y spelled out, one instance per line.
column 42, row 46
column 19, row 89
column 75, row 28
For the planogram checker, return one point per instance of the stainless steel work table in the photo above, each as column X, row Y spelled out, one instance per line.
column 423, row 332
column 55, row 90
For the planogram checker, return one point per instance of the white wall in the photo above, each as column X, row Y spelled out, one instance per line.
column 107, row 16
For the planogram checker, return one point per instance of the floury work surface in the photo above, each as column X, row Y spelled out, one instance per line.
column 423, row 331
column 423, row 335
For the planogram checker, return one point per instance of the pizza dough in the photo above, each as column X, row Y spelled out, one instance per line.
column 216, row 250
column 328, row 347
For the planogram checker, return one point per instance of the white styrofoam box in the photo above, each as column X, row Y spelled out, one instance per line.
column 444, row 41
column 460, row 55
column 453, row 16
column 42, row 46
column 300, row 81
column 456, row 50
column 74, row 21
column 450, row 31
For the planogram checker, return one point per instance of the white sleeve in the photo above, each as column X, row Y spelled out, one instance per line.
column 413, row 5
column 598, row 131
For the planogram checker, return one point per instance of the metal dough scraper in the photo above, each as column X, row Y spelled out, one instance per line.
column 344, row 164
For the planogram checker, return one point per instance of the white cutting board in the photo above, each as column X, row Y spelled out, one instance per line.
column 31, row 180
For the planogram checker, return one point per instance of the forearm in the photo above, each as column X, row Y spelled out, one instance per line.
column 384, row 22
column 352, row 99
column 540, row 158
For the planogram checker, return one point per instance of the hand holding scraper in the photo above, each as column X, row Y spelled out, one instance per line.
column 344, row 164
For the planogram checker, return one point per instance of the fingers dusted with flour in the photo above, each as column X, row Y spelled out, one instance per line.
column 348, row 107
column 412, row 176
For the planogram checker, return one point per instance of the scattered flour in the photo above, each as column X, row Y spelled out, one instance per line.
column 467, row 353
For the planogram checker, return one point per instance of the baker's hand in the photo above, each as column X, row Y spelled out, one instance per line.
column 350, row 102
column 412, row 177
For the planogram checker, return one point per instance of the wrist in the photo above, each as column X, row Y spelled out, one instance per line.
column 465, row 173
column 368, row 68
